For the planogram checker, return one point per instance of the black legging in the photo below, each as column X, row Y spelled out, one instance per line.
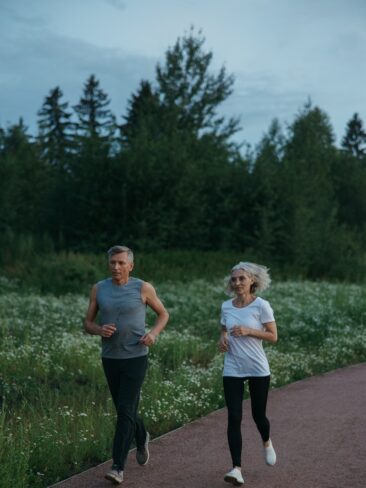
column 234, row 391
column 125, row 378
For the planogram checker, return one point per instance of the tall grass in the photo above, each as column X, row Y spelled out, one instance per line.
column 57, row 416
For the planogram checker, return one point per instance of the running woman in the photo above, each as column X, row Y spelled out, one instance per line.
column 246, row 321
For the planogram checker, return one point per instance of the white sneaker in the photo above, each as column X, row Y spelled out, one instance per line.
column 115, row 475
column 270, row 454
column 235, row 477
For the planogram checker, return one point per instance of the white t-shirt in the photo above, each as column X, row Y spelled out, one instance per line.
column 246, row 356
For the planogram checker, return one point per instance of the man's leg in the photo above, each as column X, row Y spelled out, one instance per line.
column 111, row 371
column 132, row 375
column 140, row 431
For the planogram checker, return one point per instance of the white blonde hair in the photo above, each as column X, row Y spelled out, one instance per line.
column 259, row 273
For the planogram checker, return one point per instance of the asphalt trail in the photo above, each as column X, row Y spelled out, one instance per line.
column 318, row 428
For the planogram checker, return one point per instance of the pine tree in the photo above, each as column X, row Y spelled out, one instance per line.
column 177, row 152
column 266, row 212
column 24, row 179
column 354, row 140
column 96, row 121
column 54, row 129
column 144, row 115
column 309, row 205
column 190, row 92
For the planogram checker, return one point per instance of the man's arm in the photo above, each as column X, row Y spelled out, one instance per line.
column 149, row 296
column 90, row 326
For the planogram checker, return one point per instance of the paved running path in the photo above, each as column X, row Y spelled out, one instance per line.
column 318, row 429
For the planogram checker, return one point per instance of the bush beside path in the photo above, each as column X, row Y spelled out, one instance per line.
column 318, row 430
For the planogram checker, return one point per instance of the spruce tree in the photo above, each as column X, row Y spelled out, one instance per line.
column 144, row 114
column 95, row 119
column 267, row 222
column 24, row 179
column 309, row 204
column 354, row 141
column 91, row 176
column 55, row 129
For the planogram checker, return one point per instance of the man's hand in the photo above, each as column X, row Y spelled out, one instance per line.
column 148, row 339
column 107, row 330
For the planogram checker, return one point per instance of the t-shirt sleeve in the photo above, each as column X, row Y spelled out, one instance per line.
column 266, row 313
column 223, row 316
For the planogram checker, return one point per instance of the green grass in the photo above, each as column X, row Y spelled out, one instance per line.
column 57, row 417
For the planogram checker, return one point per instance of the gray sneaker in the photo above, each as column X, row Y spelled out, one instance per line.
column 142, row 453
column 115, row 475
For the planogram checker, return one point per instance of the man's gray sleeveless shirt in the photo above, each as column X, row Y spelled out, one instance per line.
column 122, row 305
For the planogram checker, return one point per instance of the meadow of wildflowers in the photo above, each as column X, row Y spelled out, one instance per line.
column 56, row 415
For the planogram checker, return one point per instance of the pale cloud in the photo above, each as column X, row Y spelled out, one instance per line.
column 118, row 4
column 280, row 52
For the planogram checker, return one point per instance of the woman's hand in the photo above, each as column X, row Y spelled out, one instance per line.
column 240, row 331
column 223, row 344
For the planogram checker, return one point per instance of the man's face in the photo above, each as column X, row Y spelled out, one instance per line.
column 120, row 267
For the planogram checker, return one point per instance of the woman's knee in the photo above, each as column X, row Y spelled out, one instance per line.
column 235, row 417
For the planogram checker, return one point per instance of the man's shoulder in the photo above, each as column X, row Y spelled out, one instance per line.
column 133, row 279
column 101, row 283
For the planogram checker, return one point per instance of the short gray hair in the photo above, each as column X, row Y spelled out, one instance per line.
column 117, row 249
column 259, row 273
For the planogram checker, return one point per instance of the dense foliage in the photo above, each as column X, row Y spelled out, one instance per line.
column 169, row 176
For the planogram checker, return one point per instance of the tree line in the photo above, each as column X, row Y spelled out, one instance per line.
column 170, row 176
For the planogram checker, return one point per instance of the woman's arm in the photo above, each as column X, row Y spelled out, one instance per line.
column 268, row 334
column 223, row 344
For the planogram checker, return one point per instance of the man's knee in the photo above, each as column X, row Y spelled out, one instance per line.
column 127, row 411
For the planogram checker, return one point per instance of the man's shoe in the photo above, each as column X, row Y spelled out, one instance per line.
column 142, row 453
column 115, row 475
column 235, row 477
column 270, row 454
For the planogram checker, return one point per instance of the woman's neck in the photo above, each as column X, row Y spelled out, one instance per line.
column 243, row 300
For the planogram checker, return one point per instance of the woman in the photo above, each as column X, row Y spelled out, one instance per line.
column 246, row 321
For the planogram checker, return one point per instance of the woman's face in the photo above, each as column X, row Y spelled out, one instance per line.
column 241, row 281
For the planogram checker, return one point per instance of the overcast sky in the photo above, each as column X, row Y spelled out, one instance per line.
column 280, row 51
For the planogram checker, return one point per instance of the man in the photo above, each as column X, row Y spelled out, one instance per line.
column 121, row 302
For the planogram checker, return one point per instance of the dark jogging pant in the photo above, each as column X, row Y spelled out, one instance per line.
column 234, row 392
column 125, row 378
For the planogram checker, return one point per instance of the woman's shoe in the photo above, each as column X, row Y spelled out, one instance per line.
column 235, row 477
column 270, row 454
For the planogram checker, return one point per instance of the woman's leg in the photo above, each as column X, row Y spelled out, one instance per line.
column 233, row 391
column 258, row 388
